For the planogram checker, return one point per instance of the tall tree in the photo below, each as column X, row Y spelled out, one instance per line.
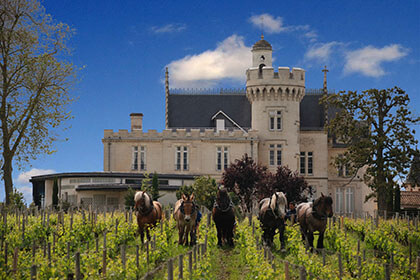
column 242, row 178
column 35, row 79
column 154, row 189
column 376, row 127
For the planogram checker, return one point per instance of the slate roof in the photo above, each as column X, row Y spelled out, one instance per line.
column 262, row 45
column 196, row 110
column 410, row 200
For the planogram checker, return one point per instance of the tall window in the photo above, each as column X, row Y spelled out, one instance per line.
column 142, row 158
column 344, row 200
column 275, row 154
column 302, row 162
column 181, row 158
column 135, row 162
column 275, row 120
column 306, row 163
column 338, row 200
column 222, row 160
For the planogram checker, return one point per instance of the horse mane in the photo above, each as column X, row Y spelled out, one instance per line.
column 139, row 195
column 276, row 198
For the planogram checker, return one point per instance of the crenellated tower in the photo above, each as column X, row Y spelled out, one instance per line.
column 275, row 101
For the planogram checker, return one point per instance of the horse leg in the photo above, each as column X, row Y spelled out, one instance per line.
column 181, row 235
column 320, row 243
column 282, row 238
column 311, row 239
column 148, row 233
column 141, row 231
column 230, row 236
column 219, row 236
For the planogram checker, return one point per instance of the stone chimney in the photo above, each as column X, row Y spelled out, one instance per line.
column 136, row 121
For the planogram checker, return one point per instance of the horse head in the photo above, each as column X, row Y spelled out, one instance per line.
column 323, row 206
column 222, row 199
column 278, row 204
column 187, row 207
column 142, row 201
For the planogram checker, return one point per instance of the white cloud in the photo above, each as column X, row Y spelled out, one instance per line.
column 169, row 28
column 24, row 177
column 229, row 60
column 268, row 23
column 368, row 60
column 321, row 52
column 23, row 185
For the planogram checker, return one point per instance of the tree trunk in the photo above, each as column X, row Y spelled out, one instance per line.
column 7, row 177
column 385, row 199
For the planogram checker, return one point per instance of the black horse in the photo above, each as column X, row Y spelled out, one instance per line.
column 224, row 218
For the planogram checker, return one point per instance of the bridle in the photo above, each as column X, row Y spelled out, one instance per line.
column 182, row 209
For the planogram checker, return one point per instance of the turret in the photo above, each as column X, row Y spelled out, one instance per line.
column 275, row 102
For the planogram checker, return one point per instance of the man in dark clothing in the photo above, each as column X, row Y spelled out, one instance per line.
column 291, row 211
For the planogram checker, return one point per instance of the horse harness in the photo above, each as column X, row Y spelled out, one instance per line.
column 148, row 211
column 230, row 205
column 182, row 209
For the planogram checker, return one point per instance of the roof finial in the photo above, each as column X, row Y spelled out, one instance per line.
column 262, row 36
column 325, row 70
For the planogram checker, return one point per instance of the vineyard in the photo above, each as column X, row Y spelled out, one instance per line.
column 91, row 245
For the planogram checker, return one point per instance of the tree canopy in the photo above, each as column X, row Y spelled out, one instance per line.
column 35, row 80
column 376, row 127
column 252, row 182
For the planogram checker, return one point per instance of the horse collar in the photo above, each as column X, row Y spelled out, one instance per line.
column 230, row 205
column 318, row 216
column 147, row 212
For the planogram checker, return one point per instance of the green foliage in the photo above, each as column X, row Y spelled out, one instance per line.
column 187, row 190
column 376, row 127
column 154, row 190
column 129, row 198
column 205, row 191
column 17, row 200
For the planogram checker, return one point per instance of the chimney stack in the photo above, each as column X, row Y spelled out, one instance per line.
column 136, row 121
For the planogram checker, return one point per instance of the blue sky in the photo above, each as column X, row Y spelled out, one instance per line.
column 125, row 46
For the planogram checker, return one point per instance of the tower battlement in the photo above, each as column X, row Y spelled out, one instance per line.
column 257, row 76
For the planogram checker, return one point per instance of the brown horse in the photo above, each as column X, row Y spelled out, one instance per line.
column 272, row 212
column 149, row 212
column 185, row 215
column 224, row 218
column 313, row 217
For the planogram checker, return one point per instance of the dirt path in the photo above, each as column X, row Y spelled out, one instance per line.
column 229, row 267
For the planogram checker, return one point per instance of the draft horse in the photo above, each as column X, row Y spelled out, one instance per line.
column 224, row 218
column 272, row 212
column 149, row 212
column 185, row 215
column 313, row 217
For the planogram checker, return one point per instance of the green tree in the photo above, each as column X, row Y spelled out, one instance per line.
column 17, row 200
column 35, row 80
column 375, row 125
column 129, row 198
column 187, row 190
column 154, row 189
column 205, row 191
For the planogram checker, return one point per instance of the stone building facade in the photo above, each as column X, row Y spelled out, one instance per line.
column 275, row 120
